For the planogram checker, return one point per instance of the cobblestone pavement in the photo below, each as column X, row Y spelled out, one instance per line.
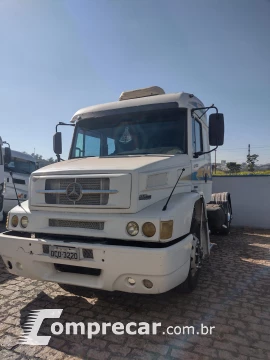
column 233, row 295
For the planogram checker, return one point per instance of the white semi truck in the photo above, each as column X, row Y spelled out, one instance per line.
column 131, row 208
column 21, row 166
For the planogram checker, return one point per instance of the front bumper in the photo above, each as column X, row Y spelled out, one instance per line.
column 165, row 267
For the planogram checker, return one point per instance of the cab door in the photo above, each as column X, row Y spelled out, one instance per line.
column 199, row 176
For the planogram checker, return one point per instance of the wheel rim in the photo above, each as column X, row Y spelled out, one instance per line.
column 195, row 256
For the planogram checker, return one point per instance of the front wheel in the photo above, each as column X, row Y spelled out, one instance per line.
column 194, row 271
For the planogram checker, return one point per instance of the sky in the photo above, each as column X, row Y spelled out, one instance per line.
column 58, row 56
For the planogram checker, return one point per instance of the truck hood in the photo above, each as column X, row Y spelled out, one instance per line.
column 106, row 164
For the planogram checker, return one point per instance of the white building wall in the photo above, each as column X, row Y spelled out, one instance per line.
column 250, row 199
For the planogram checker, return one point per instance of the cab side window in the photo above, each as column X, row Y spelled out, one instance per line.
column 197, row 142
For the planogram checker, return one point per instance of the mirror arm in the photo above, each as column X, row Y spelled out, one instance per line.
column 199, row 153
column 62, row 123
column 6, row 143
column 204, row 108
column 56, row 130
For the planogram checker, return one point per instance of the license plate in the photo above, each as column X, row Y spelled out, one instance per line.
column 59, row 252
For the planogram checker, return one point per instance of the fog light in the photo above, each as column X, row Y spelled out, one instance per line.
column 132, row 228
column 166, row 229
column 24, row 221
column 14, row 221
column 147, row 283
column 131, row 281
column 148, row 229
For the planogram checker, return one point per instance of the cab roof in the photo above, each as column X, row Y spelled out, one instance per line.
column 21, row 155
column 183, row 99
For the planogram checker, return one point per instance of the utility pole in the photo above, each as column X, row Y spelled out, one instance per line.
column 248, row 149
column 215, row 161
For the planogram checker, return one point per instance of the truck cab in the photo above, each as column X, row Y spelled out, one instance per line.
column 127, row 211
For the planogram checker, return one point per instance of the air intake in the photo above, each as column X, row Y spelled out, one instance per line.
column 92, row 225
column 139, row 93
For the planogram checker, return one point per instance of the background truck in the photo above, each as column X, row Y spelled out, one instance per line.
column 129, row 210
column 21, row 165
column 2, row 174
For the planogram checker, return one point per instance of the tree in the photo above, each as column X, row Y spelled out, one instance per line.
column 233, row 167
column 251, row 160
column 42, row 162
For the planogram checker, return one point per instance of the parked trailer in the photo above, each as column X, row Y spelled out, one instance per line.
column 128, row 210
column 21, row 165
column 1, row 180
column 8, row 155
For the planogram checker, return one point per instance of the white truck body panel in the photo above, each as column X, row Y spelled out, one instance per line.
column 165, row 267
column 21, row 181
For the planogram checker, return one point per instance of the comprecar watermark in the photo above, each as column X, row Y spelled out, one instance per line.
column 32, row 326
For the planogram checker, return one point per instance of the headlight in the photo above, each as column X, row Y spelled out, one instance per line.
column 148, row 229
column 132, row 228
column 14, row 221
column 24, row 221
column 166, row 229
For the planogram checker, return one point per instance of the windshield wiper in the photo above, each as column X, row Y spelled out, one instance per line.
column 81, row 157
column 22, row 172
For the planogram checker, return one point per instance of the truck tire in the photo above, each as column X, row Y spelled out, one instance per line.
column 226, row 230
column 193, row 275
column 223, row 201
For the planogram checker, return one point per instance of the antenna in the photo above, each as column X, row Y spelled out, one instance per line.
column 165, row 206
column 10, row 173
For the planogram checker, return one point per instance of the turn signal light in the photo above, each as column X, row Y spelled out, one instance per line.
column 166, row 229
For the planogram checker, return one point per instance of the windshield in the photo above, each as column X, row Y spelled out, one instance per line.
column 20, row 166
column 137, row 133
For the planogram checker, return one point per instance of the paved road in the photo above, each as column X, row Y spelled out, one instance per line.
column 233, row 295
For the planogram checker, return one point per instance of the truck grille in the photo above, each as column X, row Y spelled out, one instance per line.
column 93, row 225
column 86, row 184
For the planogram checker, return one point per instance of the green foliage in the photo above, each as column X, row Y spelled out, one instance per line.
column 233, row 167
column 243, row 173
column 251, row 160
column 42, row 162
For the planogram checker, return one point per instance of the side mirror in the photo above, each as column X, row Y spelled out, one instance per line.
column 57, row 143
column 7, row 157
column 216, row 129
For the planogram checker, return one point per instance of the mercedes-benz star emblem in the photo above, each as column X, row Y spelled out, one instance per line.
column 74, row 191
